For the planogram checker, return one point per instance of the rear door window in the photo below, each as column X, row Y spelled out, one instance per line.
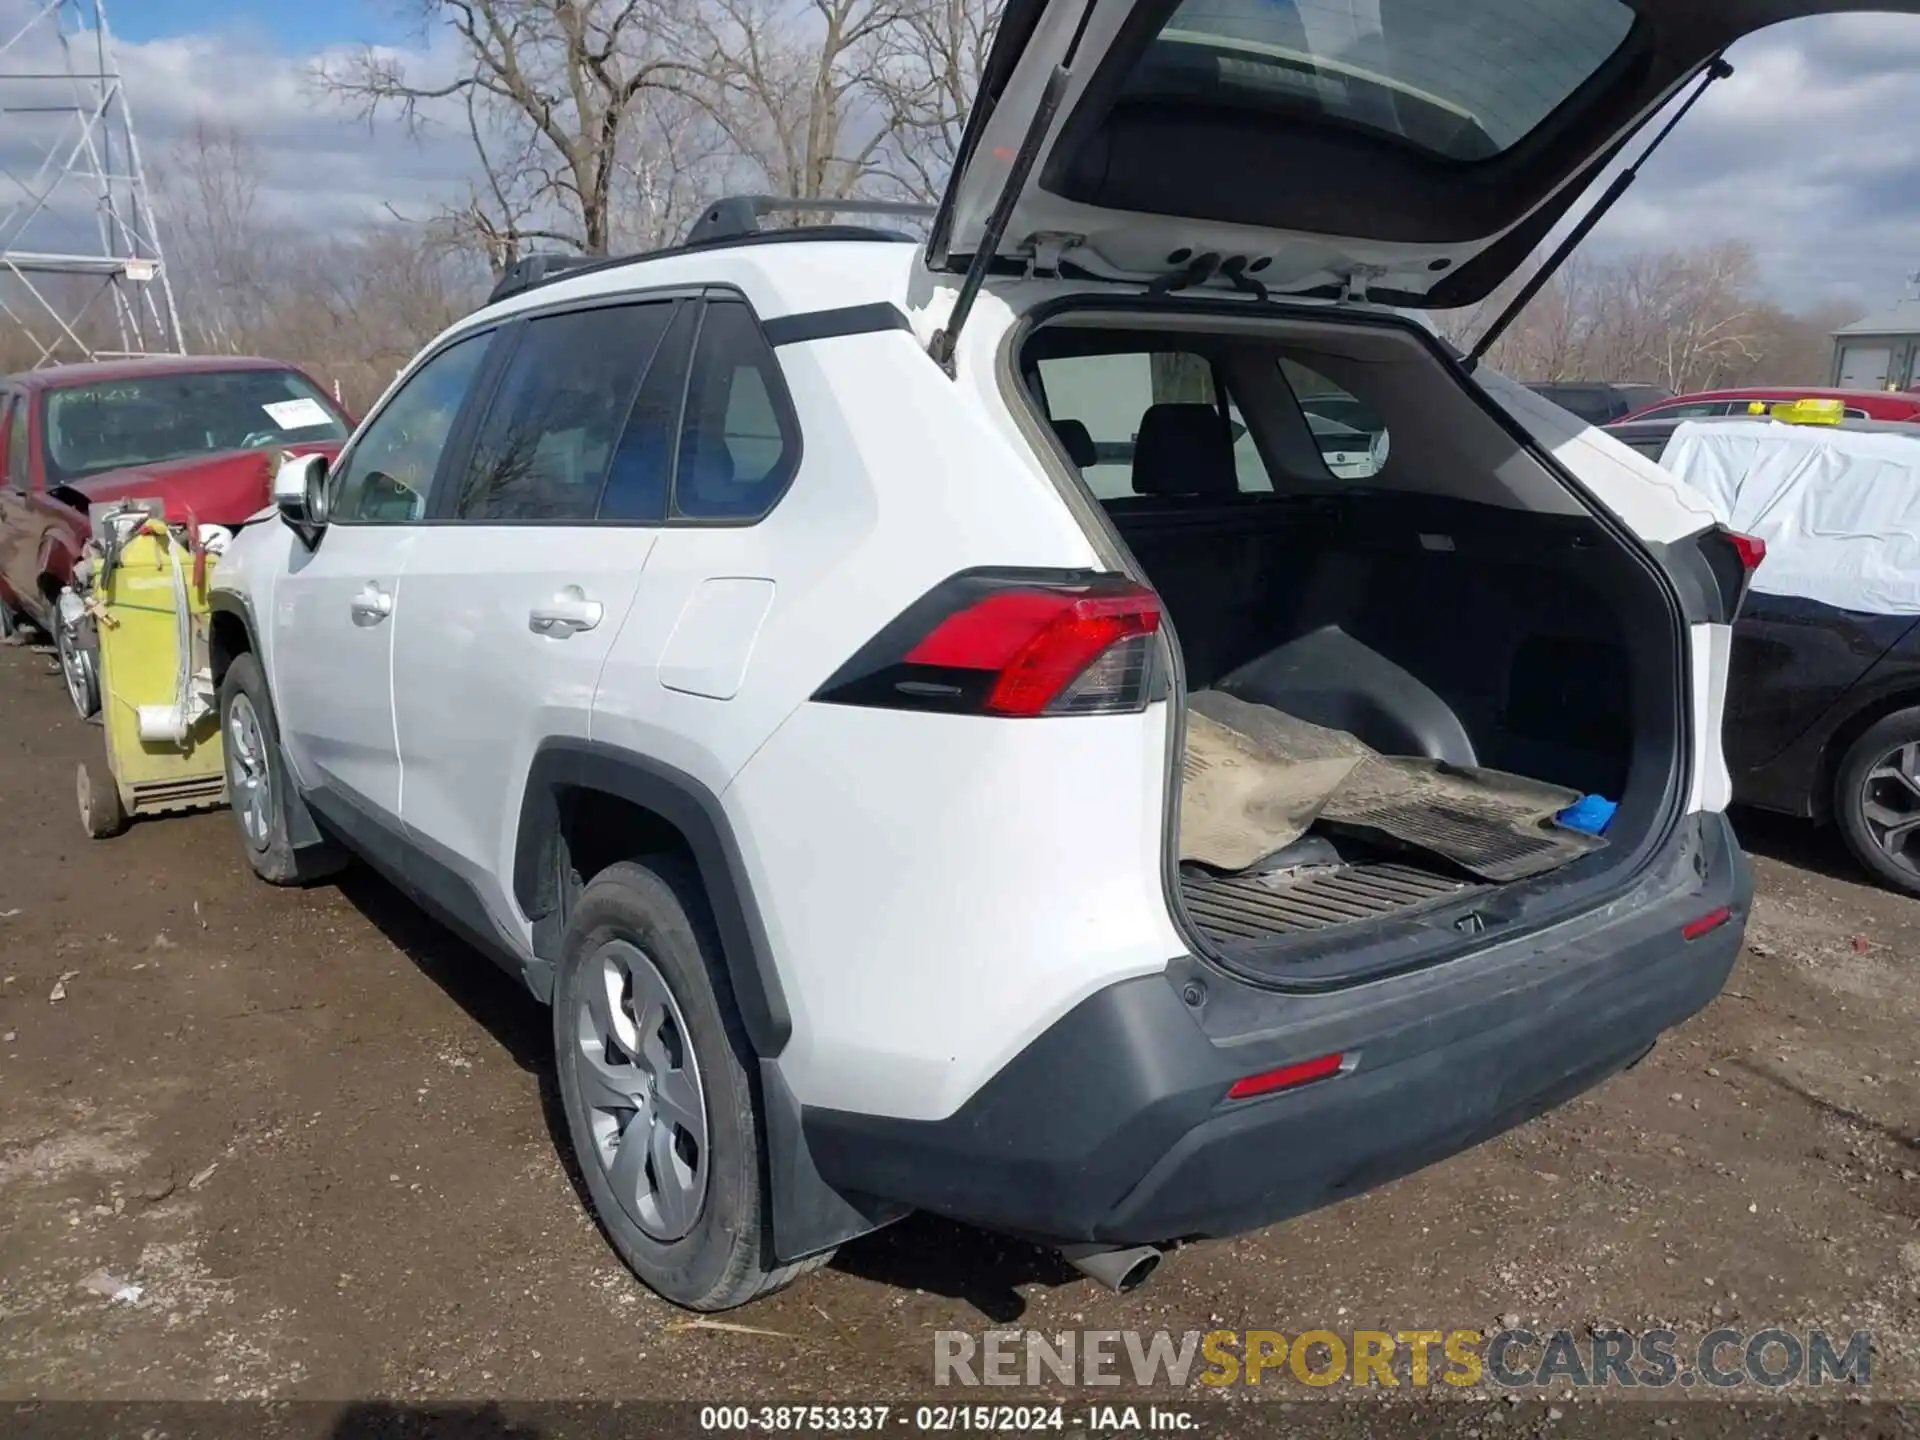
column 641, row 476
column 544, row 450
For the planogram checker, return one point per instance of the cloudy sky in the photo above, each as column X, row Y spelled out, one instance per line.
column 1811, row 153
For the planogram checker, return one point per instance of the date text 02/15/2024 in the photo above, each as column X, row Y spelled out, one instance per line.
column 942, row 1419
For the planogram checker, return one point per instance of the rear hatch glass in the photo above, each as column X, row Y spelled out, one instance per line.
column 1459, row 82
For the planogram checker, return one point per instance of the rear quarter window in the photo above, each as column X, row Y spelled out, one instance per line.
column 1350, row 436
column 739, row 440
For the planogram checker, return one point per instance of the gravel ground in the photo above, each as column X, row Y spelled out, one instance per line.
column 317, row 1132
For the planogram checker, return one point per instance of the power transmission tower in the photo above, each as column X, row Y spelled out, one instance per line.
column 82, row 276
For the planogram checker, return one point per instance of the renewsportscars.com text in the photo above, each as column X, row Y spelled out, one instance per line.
column 1514, row 1358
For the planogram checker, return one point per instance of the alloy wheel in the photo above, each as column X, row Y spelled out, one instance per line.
column 249, row 780
column 77, row 669
column 1890, row 806
column 640, row 1084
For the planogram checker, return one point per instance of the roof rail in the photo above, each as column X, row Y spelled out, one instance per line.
column 531, row 270
column 740, row 215
column 729, row 221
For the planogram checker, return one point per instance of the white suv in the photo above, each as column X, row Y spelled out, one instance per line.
column 787, row 653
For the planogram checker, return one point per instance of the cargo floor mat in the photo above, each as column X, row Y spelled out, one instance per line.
column 1256, row 778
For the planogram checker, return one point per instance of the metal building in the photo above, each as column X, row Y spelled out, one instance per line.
column 1881, row 352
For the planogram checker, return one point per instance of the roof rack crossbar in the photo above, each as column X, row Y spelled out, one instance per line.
column 738, row 215
column 537, row 269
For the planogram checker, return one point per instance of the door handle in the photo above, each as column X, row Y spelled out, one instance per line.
column 566, row 613
column 372, row 605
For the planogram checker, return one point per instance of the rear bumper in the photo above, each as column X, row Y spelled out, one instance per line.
column 1114, row 1126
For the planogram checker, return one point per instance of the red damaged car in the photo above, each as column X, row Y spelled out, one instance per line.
column 198, row 433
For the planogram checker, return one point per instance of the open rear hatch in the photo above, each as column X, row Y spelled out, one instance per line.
column 1415, row 151
column 1428, row 698
column 1454, row 604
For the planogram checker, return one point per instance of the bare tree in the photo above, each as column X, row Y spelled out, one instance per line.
column 208, row 189
column 551, row 89
column 352, row 304
column 672, row 165
column 1683, row 318
column 927, row 70
column 505, row 201
column 1697, row 314
column 794, row 90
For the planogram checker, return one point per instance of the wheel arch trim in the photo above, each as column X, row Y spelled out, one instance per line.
column 692, row 809
column 1857, row 712
column 807, row 1214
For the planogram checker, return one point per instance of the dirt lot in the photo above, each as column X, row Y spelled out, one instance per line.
column 316, row 1131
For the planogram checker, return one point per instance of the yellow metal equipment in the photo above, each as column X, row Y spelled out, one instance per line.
column 147, row 597
column 1810, row 412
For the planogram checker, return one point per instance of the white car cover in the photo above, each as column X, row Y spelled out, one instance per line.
column 1839, row 509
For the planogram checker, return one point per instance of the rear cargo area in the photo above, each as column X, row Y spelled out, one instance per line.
column 1426, row 685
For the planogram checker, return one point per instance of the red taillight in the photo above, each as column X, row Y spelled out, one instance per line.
column 1732, row 558
column 1012, row 644
column 1286, row 1077
column 1708, row 922
column 1037, row 642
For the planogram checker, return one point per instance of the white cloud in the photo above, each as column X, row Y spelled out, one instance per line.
column 322, row 164
column 1810, row 153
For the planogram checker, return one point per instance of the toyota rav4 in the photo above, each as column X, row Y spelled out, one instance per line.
column 935, row 726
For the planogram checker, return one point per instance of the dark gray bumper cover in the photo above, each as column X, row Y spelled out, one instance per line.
column 1114, row 1124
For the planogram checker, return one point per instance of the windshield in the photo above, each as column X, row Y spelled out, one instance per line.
column 148, row 419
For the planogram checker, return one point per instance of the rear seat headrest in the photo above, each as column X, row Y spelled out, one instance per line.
column 1184, row 450
column 1077, row 442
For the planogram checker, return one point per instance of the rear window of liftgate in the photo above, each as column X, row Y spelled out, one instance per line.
column 1464, row 82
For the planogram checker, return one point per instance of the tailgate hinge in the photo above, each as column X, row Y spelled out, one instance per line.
column 1047, row 250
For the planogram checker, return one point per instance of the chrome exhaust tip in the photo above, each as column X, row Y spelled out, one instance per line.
column 1120, row 1269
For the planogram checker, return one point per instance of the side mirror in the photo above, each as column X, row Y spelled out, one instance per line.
column 300, row 494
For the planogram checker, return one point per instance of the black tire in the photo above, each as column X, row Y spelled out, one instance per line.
column 726, row 1258
column 1864, row 780
column 270, row 852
